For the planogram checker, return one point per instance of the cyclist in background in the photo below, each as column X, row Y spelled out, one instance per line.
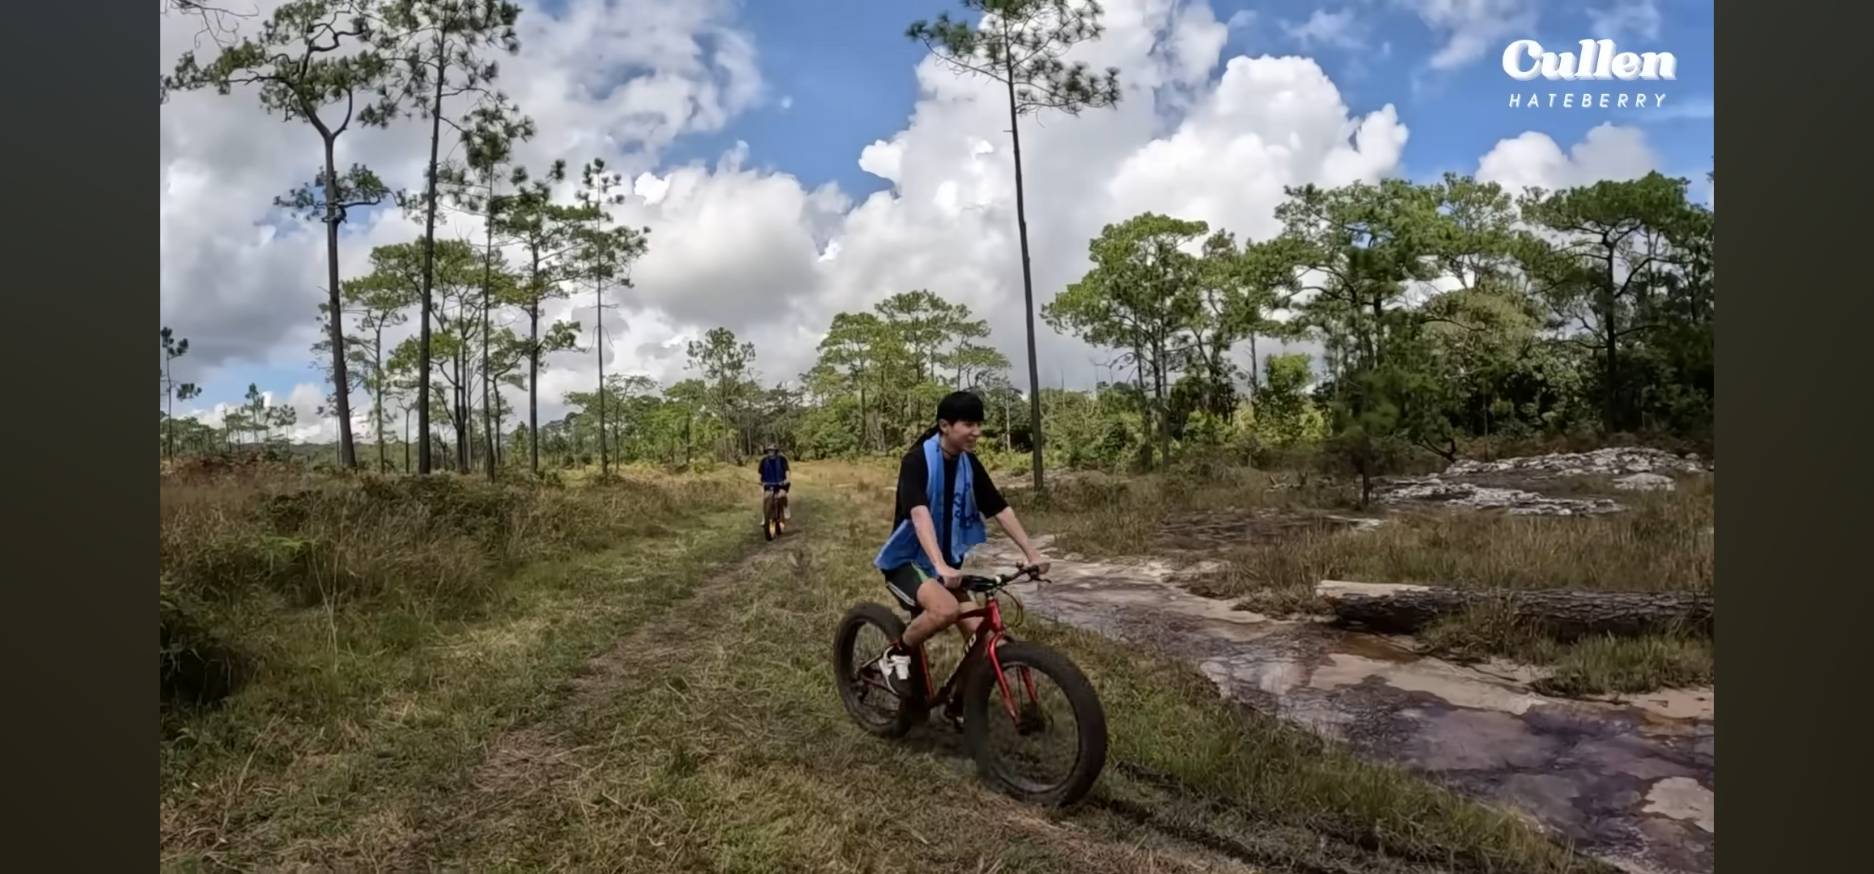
column 774, row 478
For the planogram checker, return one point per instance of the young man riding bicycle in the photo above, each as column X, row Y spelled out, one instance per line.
column 944, row 493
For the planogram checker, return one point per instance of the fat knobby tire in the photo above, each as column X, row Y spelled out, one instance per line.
column 1089, row 718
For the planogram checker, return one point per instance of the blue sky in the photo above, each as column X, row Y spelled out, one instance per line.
column 849, row 72
column 838, row 75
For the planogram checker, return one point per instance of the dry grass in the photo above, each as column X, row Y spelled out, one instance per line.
column 1662, row 542
column 241, row 548
column 1589, row 666
column 660, row 707
column 1106, row 514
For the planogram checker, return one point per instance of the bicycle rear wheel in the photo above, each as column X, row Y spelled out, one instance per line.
column 860, row 640
column 1038, row 732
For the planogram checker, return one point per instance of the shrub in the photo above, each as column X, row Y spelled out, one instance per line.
column 196, row 667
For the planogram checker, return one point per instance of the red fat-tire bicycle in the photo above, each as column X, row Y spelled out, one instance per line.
column 999, row 692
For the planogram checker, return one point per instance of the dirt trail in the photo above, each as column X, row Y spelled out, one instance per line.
column 1631, row 783
column 555, row 763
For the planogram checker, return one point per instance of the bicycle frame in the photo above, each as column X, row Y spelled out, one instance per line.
column 984, row 645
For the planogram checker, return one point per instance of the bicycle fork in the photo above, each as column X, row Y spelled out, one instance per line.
column 986, row 645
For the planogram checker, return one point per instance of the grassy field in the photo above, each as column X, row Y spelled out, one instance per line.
column 641, row 684
column 1661, row 543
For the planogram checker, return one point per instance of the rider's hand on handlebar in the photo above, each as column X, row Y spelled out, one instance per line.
column 950, row 577
column 1038, row 566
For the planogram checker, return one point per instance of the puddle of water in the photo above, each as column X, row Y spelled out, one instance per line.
column 1374, row 647
column 1675, row 704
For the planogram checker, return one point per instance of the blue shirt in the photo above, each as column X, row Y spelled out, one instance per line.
column 773, row 470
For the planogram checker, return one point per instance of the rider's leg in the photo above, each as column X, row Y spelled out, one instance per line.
column 941, row 610
column 966, row 628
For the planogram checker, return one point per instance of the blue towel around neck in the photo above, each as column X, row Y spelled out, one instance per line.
column 966, row 523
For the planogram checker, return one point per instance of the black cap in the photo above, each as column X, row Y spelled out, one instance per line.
column 960, row 406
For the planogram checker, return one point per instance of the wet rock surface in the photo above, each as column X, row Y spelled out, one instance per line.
column 1645, row 482
column 1473, row 496
column 1522, row 486
column 1615, row 461
column 1627, row 781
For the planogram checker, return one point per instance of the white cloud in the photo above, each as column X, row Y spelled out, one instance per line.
column 1338, row 30
column 1535, row 160
column 729, row 245
column 1472, row 29
column 618, row 78
column 1626, row 17
column 631, row 76
column 882, row 159
column 947, row 223
column 306, row 399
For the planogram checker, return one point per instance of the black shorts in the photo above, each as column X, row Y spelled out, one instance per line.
column 905, row 580
column 775, row 487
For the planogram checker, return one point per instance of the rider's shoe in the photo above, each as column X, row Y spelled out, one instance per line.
column 895, row 667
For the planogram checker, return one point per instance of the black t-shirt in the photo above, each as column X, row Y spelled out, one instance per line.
column 914, row 479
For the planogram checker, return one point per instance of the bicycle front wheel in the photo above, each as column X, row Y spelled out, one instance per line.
column 1037, row 731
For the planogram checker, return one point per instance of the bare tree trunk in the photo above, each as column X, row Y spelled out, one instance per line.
column 377, row 396
column 341, row 382
column 1563, row 614
column 488, row 262
column 429, row 270
column 169, row 404
column 1158, row 394
column 605, row 467
column 533, row 367
column 1028, row 283
column 1138, row 378
column 1612, row 403
column 464, row 432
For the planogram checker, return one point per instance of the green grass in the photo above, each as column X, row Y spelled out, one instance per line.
column 1590, row 666
column 661, row 705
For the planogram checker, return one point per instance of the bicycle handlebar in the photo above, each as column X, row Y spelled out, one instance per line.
column 989, row 584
